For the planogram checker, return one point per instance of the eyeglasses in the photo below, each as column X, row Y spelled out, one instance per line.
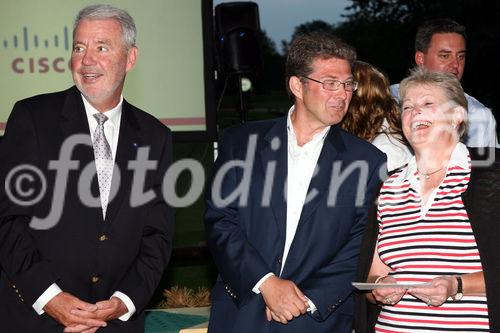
column 333, row 85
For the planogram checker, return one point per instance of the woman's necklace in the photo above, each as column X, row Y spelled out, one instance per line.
column 428, row 174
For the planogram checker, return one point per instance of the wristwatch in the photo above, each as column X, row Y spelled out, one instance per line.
column 460, row 293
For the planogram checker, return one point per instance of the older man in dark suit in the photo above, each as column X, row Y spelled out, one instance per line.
column 288, row 204
column 85, row 254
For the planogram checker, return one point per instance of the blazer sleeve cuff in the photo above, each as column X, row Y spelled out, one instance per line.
column 256, row 289
column 44, row 298
column 128, row 303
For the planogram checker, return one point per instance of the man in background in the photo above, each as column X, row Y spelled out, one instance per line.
column 440, row 45
column 96, row 266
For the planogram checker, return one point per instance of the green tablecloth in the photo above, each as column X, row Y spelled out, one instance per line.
column 166, row 322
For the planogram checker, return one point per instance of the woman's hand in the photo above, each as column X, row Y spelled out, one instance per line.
column 438, row 292
column 388, row 296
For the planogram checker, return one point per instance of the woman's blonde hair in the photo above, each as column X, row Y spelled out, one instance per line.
column 447, row 82
column 371, row 104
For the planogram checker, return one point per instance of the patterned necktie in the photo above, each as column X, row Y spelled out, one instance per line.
column 103, row 161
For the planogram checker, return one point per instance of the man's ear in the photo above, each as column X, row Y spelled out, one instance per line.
column 296, row 86
column 131, row 57
column 419, row 58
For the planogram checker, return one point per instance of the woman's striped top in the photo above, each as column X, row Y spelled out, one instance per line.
column 420, row 243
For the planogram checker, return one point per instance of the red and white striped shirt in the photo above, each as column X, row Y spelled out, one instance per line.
column 420, row 242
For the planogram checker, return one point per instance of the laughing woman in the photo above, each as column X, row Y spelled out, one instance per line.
column 437, row 224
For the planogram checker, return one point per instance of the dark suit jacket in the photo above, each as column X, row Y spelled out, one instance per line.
column 86, row 256
column 247, row 239
column 482, row 203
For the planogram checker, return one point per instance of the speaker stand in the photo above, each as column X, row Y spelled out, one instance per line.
column 243, row 101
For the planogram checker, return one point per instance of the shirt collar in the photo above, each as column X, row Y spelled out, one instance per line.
column 113, row 115
column 459, row 158
column 291, row 131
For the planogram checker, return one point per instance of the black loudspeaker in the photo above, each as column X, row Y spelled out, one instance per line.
column 237, row 32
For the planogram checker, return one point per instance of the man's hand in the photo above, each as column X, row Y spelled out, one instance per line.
column 106, row 311
column 81, row 329
column 111, row 309
column 283, row 298
column 62, row 306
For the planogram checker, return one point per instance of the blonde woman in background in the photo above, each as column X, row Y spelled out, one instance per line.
column 374, row 115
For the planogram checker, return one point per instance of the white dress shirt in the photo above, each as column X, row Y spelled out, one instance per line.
column 398, row 154
column 111, row 132
column 111, row 126
column 302, row 161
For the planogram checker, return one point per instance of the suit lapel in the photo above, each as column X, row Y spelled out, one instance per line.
column 332, row 149
column 277, row 135
column 74, row 121
column 128, row 142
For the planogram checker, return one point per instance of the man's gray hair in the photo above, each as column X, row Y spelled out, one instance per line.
column 106, row 12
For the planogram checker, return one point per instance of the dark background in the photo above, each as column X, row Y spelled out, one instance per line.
column 383, row 33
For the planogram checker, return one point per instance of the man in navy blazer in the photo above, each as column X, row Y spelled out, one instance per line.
column 288, row 202
column 72, row 258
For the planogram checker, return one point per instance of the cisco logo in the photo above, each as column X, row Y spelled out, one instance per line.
column 40, row 65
